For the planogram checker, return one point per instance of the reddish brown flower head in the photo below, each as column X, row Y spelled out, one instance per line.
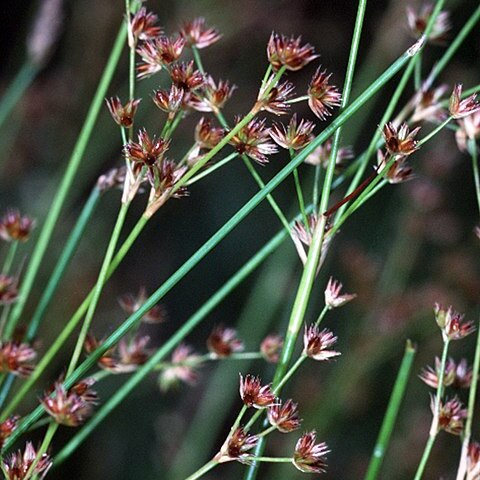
column 431, row 375
column 254, row 140
column 169, row 100
column 295, row 136
column 142, row 27
column 184, row 76
column 254, row 394
column 270, row 347
column 317, row 343
column 17, row 466
column 182, row 368
column 473, row 461
column 462, row 108
column 276, row 101
column 451, row 415
column 14, row 227
column 70, row 407
column 122, row 115
column 17, row 358
column 322, row 97
column 212, row 96
column 428, row 105
column 237, row 447
column 469, row 130
column 224, row 341
column 197, row 34
column 400, row 141
column 113, row 178
column 146, row 152
column 417, row 22
column 8, row 289
column 130, row 303
column 288, row 52
column 451, row 323
column 125, row 357
column 166, row 177
column 333, row 297
column 206, row 135
column 309, row 457
column 321, row 156
column 463, row 375
column 398, row 172
column 158, row 54
column 284, row 417
column 7, row 427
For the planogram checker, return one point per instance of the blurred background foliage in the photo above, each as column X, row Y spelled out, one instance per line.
column 411, row 246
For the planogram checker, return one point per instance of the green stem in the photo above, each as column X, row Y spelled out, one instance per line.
column 12, row 250
column 97, row 291
column 273, row 459
column 226, row 228
column 436, row 412
column 472, row 149
column 472, row 394
column 24, row 78
column 437, row 129
column 301, row 202
column 186, row 328
column 52, row 428
column 393, row 408
column 316, row 184
column 71, row 324
column 67, row 180
column 214, row 167
column 203, row 470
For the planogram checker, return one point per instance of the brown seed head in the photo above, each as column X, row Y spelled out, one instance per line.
column 398, row 172
column 321, row 156
column 310, row 457
column 122, row 115
column 431, row 375
column 417, row 23
column 459, row 108
column 7, row 427
column 182, row 369
column 288, row 52
column 224, row 341
column 237, row 447
column 295, row 136
column 451, row 323
column 400, row 141
column 70, row 407
column 17, row 466
column 254, row 140
column 114, row 178
column 322, row 97
column 428, row 105
column 169, row 100
column 8, row 289
column 333, row 298
column 147, row 151
column 316, row 343
column 212, row 96
column 469, row 130
column 284, row 417
column 17, row 358
column 451, row 415
column 276, row 101
column 158, row 54
column 270, row 347
column 130, row 303
column 142, row 27
column 184, row 76
column 206, row 135
column 254, row 394
column 14, row 227
column 197, row 34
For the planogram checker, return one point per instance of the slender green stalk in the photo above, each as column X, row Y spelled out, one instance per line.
column 52, row 428
column 203, row 470
column 71, row 324
column 67, row 180
column 273, row 459
column 188, row 326
column 437, row 129
column 436, row 412
column 472, row 394
column 12, row 250
column 301, row 201
column 214, row 167
column 63, row 262
column 97, row 291
column 394, row 404
column 472, row 148
column 224, row 230
column 24, row 78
